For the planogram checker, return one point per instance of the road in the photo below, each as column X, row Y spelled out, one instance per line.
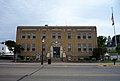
column 37, row 72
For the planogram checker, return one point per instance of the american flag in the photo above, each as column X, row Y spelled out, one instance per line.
column 112, row 18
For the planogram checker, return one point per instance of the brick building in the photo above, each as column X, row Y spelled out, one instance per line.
column 66, row 43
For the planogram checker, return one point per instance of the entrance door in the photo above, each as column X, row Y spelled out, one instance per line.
column 56, row 52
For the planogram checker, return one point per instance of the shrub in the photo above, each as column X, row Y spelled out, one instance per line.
column 81, row 59
column 93, row 59
column 19, row 59
column 31, row 59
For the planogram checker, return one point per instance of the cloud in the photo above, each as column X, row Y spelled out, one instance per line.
column 57, row 12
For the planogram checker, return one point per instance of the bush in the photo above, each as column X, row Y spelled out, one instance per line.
column 25, row 59
column 31, row 59
column 19, row 59
column 93, row 59
column 81, row 59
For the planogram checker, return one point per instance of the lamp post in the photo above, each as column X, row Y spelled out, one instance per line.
column 13, row 48
column 42, row 51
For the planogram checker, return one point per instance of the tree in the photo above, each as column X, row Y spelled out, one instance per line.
column 99, row 52
column 12, row 44
column 101, row 49
column 17, row 48
column 118, row 49
column 117, row 39
column 101, row 41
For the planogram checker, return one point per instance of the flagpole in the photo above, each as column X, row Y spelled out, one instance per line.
column 113, row 24
column 115, row 36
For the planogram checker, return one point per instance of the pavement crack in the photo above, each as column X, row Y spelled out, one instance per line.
column 30, row 74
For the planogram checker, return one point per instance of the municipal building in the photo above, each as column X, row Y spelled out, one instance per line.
column 63, row 43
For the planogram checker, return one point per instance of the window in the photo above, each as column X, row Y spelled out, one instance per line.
column 28, row 47
column 28, row 36
column 79, row 47
column 89, row 36
column 69, row 47
column 90, row 47
column 33, row 47
column 43, row 35
column 33, row 35
column 2, row 48
column 59, row 35
column 23, row 35
column 84, row 35
column 69, row 35
column 23, row 47
column 43, row 47
column 84, row 47
column 79, row 36
column 53, row 35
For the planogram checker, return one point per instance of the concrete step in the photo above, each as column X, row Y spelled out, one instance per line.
column 56, row 59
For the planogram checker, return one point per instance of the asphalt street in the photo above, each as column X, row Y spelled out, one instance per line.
column 61, row 72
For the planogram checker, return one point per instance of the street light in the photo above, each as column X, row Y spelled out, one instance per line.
column 13, row 49
column 42, row 51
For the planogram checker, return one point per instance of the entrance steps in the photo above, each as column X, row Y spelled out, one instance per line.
column 56, row 59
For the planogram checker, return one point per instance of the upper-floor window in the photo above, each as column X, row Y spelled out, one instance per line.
column 53, row 35
column 59, row 36
column 28, row 35
column 69, row 47
column 43, row 35
column 34, row 35
column 23, row 35
column 84, row 35
column 89, row 35
column 79, row 47
column 79, row 35
column 69, row 35
column 33, row 47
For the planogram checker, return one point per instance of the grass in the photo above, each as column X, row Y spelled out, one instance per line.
column 109, row 61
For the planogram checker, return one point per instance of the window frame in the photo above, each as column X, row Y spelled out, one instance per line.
column 89, row 35
column 59, row 35
column 69, row 36
column 43, row 35
column 84, row 35
column 33, row 47
column 79, row 35
column 79, row 47
column 23, row 36
column 33, row 35
column 84, row 47
column 28, row 47
column 90, row 47
column 28, row 36
column 69, row 47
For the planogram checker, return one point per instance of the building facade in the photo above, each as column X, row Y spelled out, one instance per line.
column 67, row 43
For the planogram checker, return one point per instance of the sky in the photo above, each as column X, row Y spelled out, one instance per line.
column 97, row 13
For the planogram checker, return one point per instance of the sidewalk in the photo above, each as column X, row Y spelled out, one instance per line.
column 62, row 63
column 85, row 64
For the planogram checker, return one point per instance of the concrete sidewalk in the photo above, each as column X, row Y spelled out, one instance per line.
column 85, row 64
column 61, row 64
column 65, row 64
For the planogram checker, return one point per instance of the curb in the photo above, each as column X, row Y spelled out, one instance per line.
column 111, row 65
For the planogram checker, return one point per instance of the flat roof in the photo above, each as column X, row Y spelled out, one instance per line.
column 56, row 27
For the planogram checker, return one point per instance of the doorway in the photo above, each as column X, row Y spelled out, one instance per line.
column 56, row 52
